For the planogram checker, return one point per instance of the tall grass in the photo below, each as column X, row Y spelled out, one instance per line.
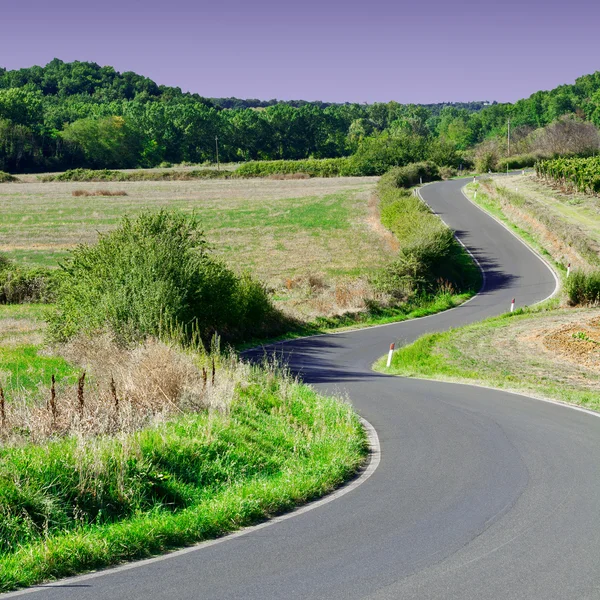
column 583, row 289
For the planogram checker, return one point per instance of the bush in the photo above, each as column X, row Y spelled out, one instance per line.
column 413, row 174
column 375, row 155
column 325, row 167
column 519, row 161
column 19, row 285
column 447, row 172
column 7, row 177
column 583, row 288
column 152, row 275
column 485, row 162
column 430, row 260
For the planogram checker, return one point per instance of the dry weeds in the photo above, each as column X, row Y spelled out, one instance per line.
column 122, row 390
column 108, row 193
column 578, row 210
column 561, row 251
column 578, row 342
column 18, row 331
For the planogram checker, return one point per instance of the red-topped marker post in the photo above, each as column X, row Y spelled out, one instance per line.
column 390, row 354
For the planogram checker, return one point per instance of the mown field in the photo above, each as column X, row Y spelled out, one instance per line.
column 325, row 221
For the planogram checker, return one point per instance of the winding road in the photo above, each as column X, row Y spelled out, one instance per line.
column 480, row 494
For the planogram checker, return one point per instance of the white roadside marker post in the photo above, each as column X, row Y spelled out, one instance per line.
column 475, row 194
column 421, row 180
column 390, row 354
column 568, row 270
column 512, row 305
column 474, row 178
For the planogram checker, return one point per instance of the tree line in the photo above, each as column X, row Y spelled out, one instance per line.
column 69, row 115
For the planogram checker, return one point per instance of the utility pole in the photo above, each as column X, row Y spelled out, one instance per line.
column 217, row 147
column 508, row 137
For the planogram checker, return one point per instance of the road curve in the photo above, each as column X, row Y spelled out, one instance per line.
column 480, row 494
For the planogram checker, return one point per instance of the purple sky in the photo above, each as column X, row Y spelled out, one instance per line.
column 331, row 50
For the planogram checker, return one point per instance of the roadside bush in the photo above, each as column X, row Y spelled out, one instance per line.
column 583, row 289
column 519, row 161
column 447, row 172
column 7, row 177
column 430, row 260
column 486, row 161
column 154, row 274
column 409, row 175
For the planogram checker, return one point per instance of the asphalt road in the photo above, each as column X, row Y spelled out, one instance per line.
column 479, row 495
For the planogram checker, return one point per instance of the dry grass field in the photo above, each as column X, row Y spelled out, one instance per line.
column 312, row 241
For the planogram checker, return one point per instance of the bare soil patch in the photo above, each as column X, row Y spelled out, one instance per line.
column 577, row 342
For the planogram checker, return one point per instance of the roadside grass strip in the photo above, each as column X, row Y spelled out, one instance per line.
column 520, row 361
column 75, row 505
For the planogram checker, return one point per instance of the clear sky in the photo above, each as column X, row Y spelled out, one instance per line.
column 374, row 50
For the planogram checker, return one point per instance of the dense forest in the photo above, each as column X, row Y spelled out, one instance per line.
column 68, row 115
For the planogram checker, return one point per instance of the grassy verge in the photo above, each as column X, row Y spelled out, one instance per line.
column 79, row 503
column 524, row 359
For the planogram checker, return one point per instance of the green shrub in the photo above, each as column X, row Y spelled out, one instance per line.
column 447, row 172
column 325, row 167
column 430, row 259
column 19, row 284
column 412, row 174
column 519, row 161
column 7, row 177
column 487, row 161
column 583, row 289
column 153, row 274
column 376, row 154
